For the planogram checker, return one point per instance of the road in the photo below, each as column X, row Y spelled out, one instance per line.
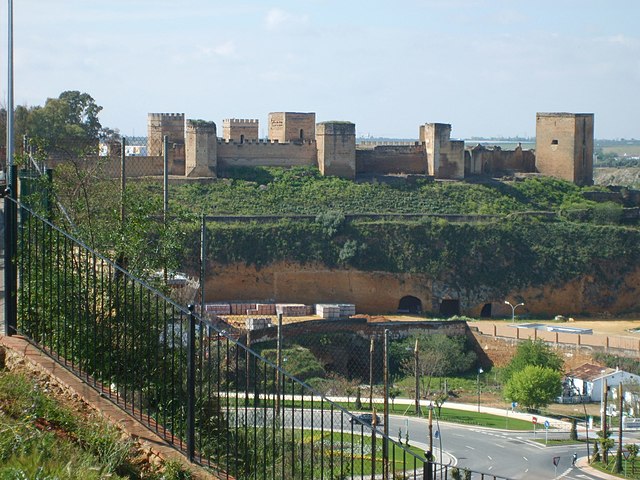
column 507, row 454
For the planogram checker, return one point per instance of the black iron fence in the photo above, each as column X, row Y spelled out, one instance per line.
column 219, row 402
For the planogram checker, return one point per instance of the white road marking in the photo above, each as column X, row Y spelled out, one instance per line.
column 489, row 457
column 525, row 459
column 470, row 448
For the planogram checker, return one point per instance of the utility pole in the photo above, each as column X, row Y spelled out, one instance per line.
column 278, row 362
column 165, row 187
column 416, row 365
column 604, row 418
column 11, row 182
column 203, row 261
column 123, row 182
column 371, row 375
column 385, row 440
column 618, row 465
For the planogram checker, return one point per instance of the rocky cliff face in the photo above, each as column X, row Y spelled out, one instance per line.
column 381, row 292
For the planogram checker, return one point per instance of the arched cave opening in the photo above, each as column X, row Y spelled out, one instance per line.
column 410, row 304
column 486, row 311
column 449, row 307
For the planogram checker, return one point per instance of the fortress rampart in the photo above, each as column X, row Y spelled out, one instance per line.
column 564, row 148
column 388, row 158
column 266, row 153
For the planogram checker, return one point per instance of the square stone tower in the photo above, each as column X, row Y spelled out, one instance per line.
column 564, row 146
column 445, row 157
column 337, row 149
column 201, row 148
column 240, row 130
column 292, row 127
column 161, row 124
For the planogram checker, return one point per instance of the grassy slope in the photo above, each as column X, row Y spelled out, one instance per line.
column 42, row 436
column 304, row 191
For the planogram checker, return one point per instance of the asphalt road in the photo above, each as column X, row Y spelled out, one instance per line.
column 513, row 455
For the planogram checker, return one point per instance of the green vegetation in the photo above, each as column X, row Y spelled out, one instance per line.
column 532, row 352
column 627, row 364
column 33, row 425
column 533, row 387
column 533, row 376
column 302, row 190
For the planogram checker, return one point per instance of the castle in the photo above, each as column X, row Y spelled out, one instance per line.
column 564, row 148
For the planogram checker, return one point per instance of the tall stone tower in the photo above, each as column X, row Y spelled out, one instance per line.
column 564, row 146
column 240, row 130
column 201, row 149
column 161, row 124
column 292, row 127
column 445, row 157
column 336, row 143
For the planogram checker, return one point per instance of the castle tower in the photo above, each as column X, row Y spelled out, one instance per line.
column 201, row 149
column 292, row 127
column 161, row 124
column 445, row 157
column 336, row 143
column 240, row 130
column 564, row 146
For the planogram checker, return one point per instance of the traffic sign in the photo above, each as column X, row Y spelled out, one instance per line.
column 556, row 461
column 546, row 424
column 534, row 420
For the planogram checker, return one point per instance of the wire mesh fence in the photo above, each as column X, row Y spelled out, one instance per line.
column 222, row 404
column 245, row 405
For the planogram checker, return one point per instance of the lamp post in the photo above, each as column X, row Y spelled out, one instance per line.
column 478, row 386
column 513, row 308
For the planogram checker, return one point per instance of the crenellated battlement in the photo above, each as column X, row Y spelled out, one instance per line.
column 369, row 144
column 166, row 115
column 263, row 141
column 240, row 121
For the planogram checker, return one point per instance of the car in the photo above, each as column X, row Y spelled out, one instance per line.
column 365, row 419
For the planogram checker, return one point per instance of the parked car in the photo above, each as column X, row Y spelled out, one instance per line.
column 365, row 419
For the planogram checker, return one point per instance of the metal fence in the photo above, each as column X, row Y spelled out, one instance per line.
column 221, row 403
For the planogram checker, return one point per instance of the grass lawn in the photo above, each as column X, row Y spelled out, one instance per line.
column 354, row 453
column 445, row 414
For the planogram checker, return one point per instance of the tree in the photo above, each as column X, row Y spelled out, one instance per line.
column 534, row 386
column 440, row 355
column 66, row 123
column 535, row 353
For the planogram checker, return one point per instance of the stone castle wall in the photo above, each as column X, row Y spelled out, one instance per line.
column 389, row 159
column 481, row 160
column 564, row 148
column 265, row 153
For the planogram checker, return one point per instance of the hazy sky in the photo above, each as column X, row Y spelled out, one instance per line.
column 485, row 66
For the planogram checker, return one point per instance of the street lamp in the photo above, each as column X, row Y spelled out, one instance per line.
column 478, row 386
column 513, row 308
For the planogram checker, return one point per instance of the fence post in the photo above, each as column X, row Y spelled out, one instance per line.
column 191, row 384
column 10, row 248
column 428, row 467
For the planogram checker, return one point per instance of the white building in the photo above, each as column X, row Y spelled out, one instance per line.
column 588, row 380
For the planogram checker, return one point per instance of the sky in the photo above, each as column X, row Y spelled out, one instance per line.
column 484, row 66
